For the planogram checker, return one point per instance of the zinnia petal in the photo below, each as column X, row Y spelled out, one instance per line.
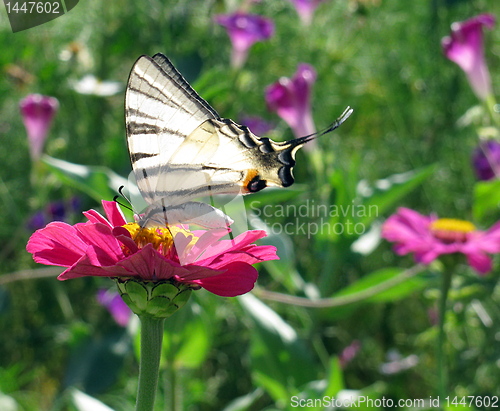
column 480, row 262
column 56, row 244
column 239, row 279
column 225, row 246
column 114, row 213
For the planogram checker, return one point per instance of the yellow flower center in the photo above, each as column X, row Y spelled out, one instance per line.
column 450, row 230
column 162, row 238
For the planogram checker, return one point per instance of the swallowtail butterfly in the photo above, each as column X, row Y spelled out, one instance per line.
column 181, row 149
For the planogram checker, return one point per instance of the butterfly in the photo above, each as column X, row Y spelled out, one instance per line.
column 182, row 150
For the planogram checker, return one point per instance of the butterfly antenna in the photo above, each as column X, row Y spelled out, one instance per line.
column 336, row 124
column 127, row 206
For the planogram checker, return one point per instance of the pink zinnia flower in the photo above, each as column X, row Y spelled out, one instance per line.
column 114, row 248
column 306, row 9
column 37, row 112
column 465, row 47
column 291, row 99
column 115, row 305
column 244, row 30
column 430, row 237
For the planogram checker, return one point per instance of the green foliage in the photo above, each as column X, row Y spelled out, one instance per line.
column 403, row 146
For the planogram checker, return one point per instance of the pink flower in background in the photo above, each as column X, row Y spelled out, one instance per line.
column 37, row 112
column 306, row 9
column 112, row 248
column 486, row 160
column 291, row 99
column 115, row 305
column 429, row 237
column 465, row 47
column 349, row 352
column 244, row 30
column 257, row 125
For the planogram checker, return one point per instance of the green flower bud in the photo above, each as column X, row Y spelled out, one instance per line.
column 157, row 299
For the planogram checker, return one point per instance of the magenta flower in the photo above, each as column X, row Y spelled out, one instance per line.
column 291, row 99
column 115, row 305
column 244, row 30
column 257, row 125
column 306, row 9
column 430, row 237
column 465, row 47
column 112, row 248
column 37, row 112
column 349, row 352
column 486, row 160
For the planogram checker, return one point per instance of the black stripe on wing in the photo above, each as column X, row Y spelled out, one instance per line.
column 134, row 157
column 172, row 72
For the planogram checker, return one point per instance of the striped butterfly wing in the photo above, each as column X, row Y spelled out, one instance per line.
column 161, row 111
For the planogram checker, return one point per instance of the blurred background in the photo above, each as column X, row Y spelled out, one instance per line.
column 409, row 142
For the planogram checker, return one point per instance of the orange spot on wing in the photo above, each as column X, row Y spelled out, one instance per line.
column 251, row 174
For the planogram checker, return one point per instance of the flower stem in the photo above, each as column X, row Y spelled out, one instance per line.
column 151, row 340
column 490, row 105
column 442, row 371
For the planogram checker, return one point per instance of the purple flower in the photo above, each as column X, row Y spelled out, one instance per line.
column 38, row 112
column 36, row 221
column 290, row 98
column 257, row 125
column 58, row 210
column 244, row 30
column 349, row 352
column 115, row 305
column 465, row 47
column 486, row 160
column 305, row 9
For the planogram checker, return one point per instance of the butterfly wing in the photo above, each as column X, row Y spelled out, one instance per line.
column 161, row 110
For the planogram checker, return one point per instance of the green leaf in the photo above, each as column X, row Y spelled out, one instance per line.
column 315, row 390
column 244, row 402
column 335, row 378
column 280, row 361
column 378, row 279
column 389, row 191
column 97, row 182
column 195, row 345
column 486, row 199
column 187, row 337
column 385, row 285
column 84, row 402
